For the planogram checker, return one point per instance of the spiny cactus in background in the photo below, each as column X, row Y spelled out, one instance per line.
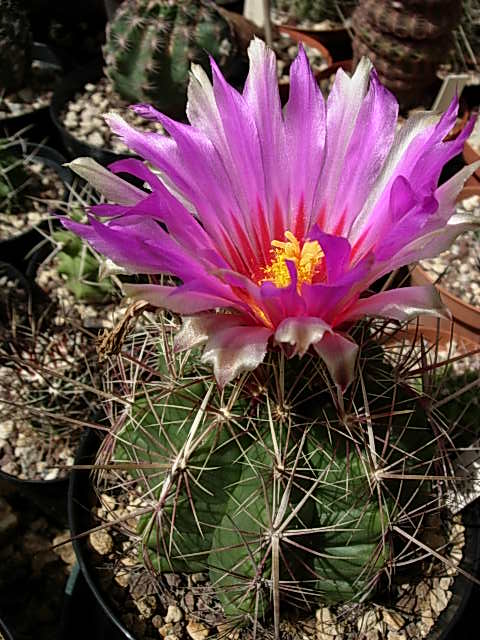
column 15, row 45
column 283, row 492
column 13, row 176
column 316, row 10
column 467, row 37
column 80, row 267
column 151, row 44
column 406, row 41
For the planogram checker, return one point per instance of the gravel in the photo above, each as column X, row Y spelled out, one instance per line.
column 39, row 196
column 35, row 96
column 183, row 606
column 83, row 116
column 458, row 268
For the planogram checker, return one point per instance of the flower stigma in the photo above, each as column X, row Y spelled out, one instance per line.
column 307, row 259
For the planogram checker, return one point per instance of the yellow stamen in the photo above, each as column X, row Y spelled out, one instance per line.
column 306, row 258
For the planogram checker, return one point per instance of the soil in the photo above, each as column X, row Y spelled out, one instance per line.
column 183, row 606
column 458, row 268
column 37, row 197
column 32, row 575
column 35, row 96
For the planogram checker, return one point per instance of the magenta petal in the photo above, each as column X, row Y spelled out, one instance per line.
column 305, row 136
column 263, row 99
column 136, row 168
column 337, row 252
column 399, row 304
column 185, row 299
column 339, row 354
column 300, row 333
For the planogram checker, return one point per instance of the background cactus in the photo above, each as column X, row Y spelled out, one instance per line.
column 13, row 176
column 150, row 45
column 406, row 41
column 316, row 10
column 283, row 493
column 80, row 268
column 15, row 44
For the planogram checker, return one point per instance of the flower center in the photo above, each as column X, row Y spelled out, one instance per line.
column 306, row 259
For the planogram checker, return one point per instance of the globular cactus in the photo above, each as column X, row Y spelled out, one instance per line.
column 285, row 493
column 151, row 44
column 406, row 41
column 15, row 45
column 316, row 10
column 80, row 268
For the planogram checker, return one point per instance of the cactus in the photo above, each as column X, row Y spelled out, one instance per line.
column 274, row 485
column 80, row 268
column 317, row 10
column 406, row 42
column 150, row 45
column 15, row 44
column 13, row 176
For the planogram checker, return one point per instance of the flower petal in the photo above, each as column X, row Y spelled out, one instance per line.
column 339, row 354
column 399, row 304
column 305, row 137
column 233, row 350
column 300, row 333
column 106, row 182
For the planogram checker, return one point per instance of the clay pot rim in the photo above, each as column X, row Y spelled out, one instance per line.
column 471, row 309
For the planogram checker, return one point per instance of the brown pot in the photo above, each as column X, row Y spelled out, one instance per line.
column 299, row 36
column 470, row 156
column 337, row 41
column 466, row 316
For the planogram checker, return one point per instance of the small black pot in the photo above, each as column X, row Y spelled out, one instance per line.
column 50, row 496
column 16, row 249
column 75, row 625
column 64, row 92
column 80, row 501
column 38, row 121
column 458, row 616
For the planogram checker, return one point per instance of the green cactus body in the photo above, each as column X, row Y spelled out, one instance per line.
column 15, row 45
column 406, row 42
column 257, row 498
column 151, row 45
column 80, row 268
column 316, row 10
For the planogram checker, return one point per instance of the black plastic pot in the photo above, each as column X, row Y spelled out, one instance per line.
column 38, row 121
column 16, row 249
column 50, row 496
column 64, row 92
column 80, row 500
column 459, row 615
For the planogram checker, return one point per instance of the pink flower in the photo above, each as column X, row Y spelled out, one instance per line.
column 281, row 220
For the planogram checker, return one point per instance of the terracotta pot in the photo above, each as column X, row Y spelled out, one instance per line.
column 466, row 316
column 470, row 156
column 337, row 41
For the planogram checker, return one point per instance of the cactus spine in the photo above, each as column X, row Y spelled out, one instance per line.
column 150, row 45
column 271, row 485
column 15, row 45
column 316, row 10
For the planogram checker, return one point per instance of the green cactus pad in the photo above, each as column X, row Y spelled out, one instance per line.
column 151, row 45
